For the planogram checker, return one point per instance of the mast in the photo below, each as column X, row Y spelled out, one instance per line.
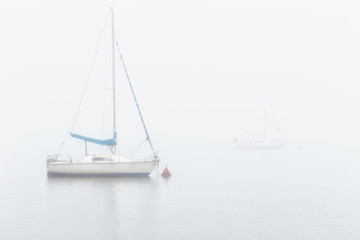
column 113, row 74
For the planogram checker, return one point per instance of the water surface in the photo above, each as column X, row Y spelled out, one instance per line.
column 213, row 194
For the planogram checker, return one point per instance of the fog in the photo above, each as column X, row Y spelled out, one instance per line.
column 201, row 71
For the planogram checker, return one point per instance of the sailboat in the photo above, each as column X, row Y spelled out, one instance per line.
column 105, row 164
column 265, row 141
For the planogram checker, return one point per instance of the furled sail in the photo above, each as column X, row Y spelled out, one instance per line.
column 106, row 142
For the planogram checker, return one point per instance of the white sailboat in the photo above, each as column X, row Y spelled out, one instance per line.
column 265, row 141
column 100, row 163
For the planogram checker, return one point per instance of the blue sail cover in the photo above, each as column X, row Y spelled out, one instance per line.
column 106, row 142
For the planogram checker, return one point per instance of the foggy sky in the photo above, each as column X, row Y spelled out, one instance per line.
column 199, row 69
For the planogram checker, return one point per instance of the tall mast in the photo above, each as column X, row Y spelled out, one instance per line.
column 113, row 68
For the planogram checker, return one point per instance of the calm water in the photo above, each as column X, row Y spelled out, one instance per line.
column 213, row 194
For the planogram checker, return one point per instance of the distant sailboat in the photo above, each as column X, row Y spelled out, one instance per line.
column 259, row 143
column 105, row 164
column 265, row 141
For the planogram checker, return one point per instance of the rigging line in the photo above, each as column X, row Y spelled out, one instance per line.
column 134, row 148
column 91, row 69
column 133, row 93
column 150, row 156
column 62, row 144
column 76, row 110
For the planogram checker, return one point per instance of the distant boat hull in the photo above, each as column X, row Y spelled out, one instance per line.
column 261, row 146
column 131, row 168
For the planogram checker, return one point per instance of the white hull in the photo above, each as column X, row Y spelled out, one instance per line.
column 141, row 168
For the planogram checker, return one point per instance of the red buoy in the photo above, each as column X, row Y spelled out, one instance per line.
column 166, row 173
